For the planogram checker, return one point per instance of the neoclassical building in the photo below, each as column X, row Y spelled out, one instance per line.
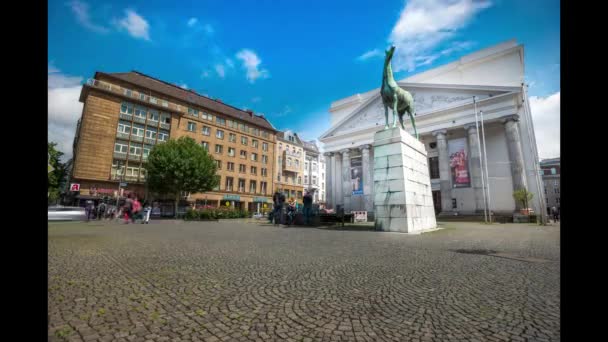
column 446, row 99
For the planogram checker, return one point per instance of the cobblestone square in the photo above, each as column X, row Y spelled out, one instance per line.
column 240, row 281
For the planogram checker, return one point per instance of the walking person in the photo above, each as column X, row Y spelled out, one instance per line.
column 276, row 201
column 147, row 211
column 101, row 210
column 89, row 209
column 555, row 214
column 291, row 211
column 307, row 207
column 137, row 210
column 127, row 209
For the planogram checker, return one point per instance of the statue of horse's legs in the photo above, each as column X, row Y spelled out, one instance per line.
column 409, row 112
column 401, row 121
column 395, row 102
column 386, row 117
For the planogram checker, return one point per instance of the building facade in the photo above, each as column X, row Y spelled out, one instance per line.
column 447, row 100
column 550, row 169
column 314, row 171
column 289, row 165
column 126, row 114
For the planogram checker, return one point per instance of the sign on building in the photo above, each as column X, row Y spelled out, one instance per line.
column 356, row 175
column 459, row 163
column 74, row 187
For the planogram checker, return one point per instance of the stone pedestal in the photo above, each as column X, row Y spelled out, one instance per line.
column 402, row 186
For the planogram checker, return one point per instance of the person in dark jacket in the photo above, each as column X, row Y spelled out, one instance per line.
column 307, row 207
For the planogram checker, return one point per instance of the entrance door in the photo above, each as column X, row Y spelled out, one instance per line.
column 437, row 201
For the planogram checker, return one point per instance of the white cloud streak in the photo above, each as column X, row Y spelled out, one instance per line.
column 546, row 116
column 250, row 62
column 81, row 11
column 370, row 54
column 221, row 71
column 64, row 109
column 135, row 24
column 425, row 24
column 192, row 22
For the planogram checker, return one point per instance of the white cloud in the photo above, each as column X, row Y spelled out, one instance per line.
column 546, row 115
column 81, row 11
column 221, row 72
column 135, row 24
column 192, row 22
column 370, row 54
column 250, row 62
column 64, row 109
column 184, row 86
column 425, row 24
column 205, row 74
column 208, row 28
column 229, row 62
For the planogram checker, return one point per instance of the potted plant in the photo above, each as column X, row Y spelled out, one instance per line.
column 524, row 197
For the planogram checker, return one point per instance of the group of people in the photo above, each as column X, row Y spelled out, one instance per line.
column 131, row 210
column 279, row 202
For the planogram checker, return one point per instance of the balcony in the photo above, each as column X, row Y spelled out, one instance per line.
column 134, row 157
column 131, row 178
column 122, row 135
column 291, row 168
column 137, row 138
column 152, row 123
column 144, row 159
column 165, row 125
column 150, row 141
column 120, row 155
column 161, row 141
column 139, row 119
column 126, row 116
column 116, row 89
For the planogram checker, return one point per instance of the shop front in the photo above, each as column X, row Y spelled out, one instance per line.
column 260, row 205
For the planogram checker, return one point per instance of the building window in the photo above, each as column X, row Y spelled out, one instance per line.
column 232, row 137
column 553, row 171
column 264, row 159
column 280, row 161
column 124, row 127
column 280, row 146
column 207, row 116
column 279, row 177
column 229, row 183
column 264, row 172
column 291, row 138
column 135, row 150
column 254, row 143
column 241, row 185
column 555, row 184
column 314, row 180
column 191, row 126
column 244, row 154
column 126, row 108
column 299, row 194
column 141, row 112
column 263, row 187
column 252, row 186
column 264, row 146
column 254, row 170
column 288, row 161
column 434, row 167
column 219, row 149
column 127, row 92
column 219, row 134
column 147, row 149
column 193, row 112
column 254, row 157
column 244, row 141
column 231, row 151
column 153, row 115
column 305, row 179
column 220, row 121
column 163, row 136
column 205, row 145
column 138, row 130
column 165, row 118
column 557, row 200
column 242, row 168
column 306, row 166
column 206, row 130
column 230, row 166
column 142, row 96
column 164, row 103
column 556, row 190
column 153, row 100
column 299, row 179
column 120, row 148
column 218, row 163
column 322, row 185
column 265, row 134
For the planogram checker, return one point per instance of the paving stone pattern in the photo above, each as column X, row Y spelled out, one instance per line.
column 236, row 281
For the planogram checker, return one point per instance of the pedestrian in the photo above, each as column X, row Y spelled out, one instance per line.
column 147, row 211
column 137, row 209
column 89, row 208
column 276, row 200
column 291, row 211
column 554, row 213
column 307, row 207
column 101, row 210
column 127, row 209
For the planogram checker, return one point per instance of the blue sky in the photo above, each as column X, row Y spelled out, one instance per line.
column 287, row 59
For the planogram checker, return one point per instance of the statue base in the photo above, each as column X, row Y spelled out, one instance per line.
column 403, row 201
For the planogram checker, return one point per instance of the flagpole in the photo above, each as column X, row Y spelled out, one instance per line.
column 483, row 182
column 486, row 167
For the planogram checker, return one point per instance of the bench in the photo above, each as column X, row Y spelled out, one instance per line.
column 335, row 218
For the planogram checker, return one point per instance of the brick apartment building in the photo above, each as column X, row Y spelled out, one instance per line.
column 126, row 114
column 289, row 165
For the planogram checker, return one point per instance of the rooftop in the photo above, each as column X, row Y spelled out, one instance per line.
column 188, row 96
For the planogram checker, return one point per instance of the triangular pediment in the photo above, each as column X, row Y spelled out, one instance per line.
column 427, row 99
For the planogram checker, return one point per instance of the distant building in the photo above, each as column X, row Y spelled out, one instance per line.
column 314, row 171
column 551, row 180
column 289, row 165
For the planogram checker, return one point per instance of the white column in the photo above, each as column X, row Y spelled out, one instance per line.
column 516, row 156
column 444, row 170
column 475, row 166
column 346, row 185
column 328, row 180
column 337, row 171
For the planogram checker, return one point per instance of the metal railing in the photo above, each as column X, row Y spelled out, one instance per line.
column 122, row 135
column 150, row 141
column 165, row 125
column 120, row 155
column 134, row 157
column 126, row 116
column 137, row 138
column 139, row 120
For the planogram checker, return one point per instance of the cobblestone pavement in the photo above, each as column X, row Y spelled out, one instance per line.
column 236, row 281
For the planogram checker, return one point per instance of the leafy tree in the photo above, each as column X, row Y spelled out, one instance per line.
column 179, row 166
column 523, row 196
column 59, row 173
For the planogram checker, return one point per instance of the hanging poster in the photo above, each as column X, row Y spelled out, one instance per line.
column 356, row 175
column 459, row 163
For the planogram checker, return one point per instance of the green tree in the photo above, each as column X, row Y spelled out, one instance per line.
column 523, row 196
column 57, row 176
column 179, row 166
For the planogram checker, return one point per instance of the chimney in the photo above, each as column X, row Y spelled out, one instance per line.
column 250, row 112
